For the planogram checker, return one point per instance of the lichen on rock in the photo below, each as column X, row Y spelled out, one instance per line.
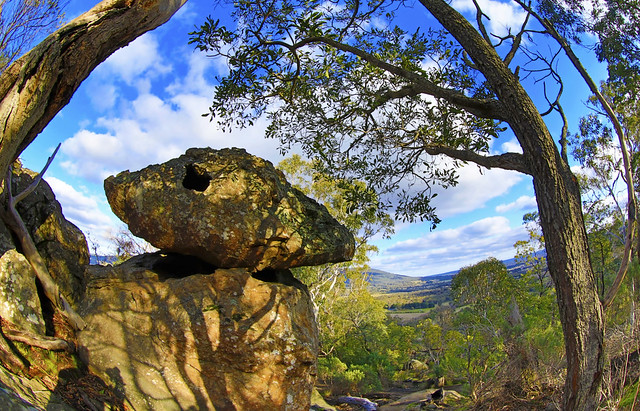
column 19, row 302
column 229, row 208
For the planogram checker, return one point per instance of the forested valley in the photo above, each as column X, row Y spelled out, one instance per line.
column 489, row 332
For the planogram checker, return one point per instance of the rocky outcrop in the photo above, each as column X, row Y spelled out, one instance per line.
column 60, row 243
column 64, row 251
column 230, row 209
column 172, row 332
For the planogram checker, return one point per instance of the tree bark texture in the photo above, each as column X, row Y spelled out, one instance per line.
column 559, row 205
column 39, row 84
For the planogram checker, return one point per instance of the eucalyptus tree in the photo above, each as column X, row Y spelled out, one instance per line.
column 371, row 96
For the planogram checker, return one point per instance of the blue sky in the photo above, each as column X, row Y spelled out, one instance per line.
column 144, row 105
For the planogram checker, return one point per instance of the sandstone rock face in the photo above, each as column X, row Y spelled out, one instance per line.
column 19, row 302
column 60, row 243
column 172, row 332
column 229, row 208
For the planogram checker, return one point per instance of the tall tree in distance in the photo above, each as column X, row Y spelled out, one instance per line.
column 374, row 100
column 530, row 252
column 22, row 22
column 485, row 294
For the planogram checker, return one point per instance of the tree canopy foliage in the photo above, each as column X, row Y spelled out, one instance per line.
column 306, row 66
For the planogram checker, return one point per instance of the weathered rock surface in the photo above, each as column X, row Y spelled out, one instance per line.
column 65, row 253
column 61, row 244
column 19, row 302
column 19, row 393
column 172, row 332
column 229, row 208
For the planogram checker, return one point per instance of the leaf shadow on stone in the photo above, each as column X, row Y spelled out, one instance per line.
column 222, row 339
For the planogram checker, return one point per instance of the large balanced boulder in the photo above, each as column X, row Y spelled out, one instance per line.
column 230, row 209
column 171, row 332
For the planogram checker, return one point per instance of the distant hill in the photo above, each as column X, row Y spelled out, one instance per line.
column 385, row 282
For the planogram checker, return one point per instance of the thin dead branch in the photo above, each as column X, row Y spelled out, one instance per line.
column 517, row 40
column 13, row 220
column 40, row 341
column 479, row 15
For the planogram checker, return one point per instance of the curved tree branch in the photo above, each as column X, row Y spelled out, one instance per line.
column 506, row 161
column 484, row 108
column 40, row 83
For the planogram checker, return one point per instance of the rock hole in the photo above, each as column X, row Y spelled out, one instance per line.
column 193, row 180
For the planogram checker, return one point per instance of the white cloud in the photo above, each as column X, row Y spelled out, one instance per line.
column 186, row 14
column 195, row 80
column 103, row 96
column 83, row 210
column 475, row 188
column 139, row 61
column 449, row 250
column 136, row 65
column 511, row 146
column 150, row 129
column 502, row 14
column 522, row 203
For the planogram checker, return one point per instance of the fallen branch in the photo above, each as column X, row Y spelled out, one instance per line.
column 9, row 357
column 40, row 341
column 13, row 220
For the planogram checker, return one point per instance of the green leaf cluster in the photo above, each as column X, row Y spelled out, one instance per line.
column 345, row 84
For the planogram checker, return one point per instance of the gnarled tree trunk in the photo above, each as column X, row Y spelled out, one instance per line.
column 558, row 198
column 36, row 87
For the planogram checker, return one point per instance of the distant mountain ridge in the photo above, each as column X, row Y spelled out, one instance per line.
column 386, row 282
column 383, row 281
